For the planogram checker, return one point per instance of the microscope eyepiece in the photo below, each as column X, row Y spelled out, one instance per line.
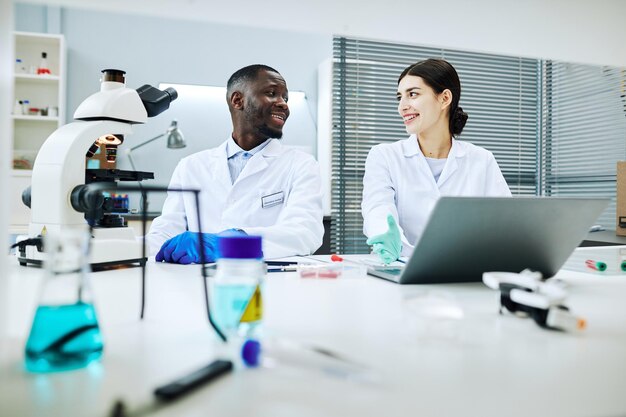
column 173, row 93
column 156, row 101
column 114, row 75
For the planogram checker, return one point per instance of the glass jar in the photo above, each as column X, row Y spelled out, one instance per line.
column 237, row 285
column 65, row 333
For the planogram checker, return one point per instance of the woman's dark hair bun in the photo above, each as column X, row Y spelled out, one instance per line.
column 457, row 121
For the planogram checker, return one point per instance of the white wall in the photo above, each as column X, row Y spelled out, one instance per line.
column 6, row 94
column 582, row 31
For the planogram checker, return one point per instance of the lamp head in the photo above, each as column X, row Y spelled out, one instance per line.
column 175, row 138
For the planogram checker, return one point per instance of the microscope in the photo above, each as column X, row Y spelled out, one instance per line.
column 65, row 196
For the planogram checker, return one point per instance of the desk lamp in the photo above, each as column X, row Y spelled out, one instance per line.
column 175, row 140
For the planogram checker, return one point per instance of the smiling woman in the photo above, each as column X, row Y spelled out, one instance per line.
column 403, row 180
column 526, row 111
column 428, row 94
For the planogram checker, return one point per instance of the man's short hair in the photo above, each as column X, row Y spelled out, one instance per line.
column 245, row 75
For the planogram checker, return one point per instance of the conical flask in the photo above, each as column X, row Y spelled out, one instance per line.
column 65, row 333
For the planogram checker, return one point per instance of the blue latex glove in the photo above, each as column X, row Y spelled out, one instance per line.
column 183, row 249
column 389, row 244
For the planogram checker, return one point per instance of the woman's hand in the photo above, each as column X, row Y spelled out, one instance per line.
column 389, row 244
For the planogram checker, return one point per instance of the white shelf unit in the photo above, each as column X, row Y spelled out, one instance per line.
column 30, row 128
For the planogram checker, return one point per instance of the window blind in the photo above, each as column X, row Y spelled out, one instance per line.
column 584, row 113
column 499, row 93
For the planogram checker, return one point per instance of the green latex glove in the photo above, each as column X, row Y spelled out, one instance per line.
column 389, row 244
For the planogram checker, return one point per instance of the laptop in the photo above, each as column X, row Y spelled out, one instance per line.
column 466, row 236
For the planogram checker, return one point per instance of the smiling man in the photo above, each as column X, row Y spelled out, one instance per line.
column 249, row 184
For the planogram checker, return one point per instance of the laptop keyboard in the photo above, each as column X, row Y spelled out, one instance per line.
column 390, row 270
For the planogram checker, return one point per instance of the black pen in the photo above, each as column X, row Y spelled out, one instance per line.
column 280, row 263
column 193, row 380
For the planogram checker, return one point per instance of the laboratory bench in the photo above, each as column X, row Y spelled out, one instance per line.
column 353, row 345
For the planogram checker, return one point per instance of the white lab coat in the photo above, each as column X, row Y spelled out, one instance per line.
column 398, row 181
column 277, row 195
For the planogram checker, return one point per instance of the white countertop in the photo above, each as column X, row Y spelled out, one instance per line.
column 427, row 349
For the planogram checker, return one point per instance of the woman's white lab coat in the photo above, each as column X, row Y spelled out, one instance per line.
column 277, row 195
column 398, row 181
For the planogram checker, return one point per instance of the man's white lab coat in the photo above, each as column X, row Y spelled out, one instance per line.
column 277, row 195
column 398, row 181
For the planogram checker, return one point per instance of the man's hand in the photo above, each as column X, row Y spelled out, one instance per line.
column 183, row 249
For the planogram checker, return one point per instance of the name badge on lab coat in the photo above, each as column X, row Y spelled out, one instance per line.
column 273, row 199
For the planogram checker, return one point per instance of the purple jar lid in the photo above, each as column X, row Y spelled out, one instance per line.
column 240, row 247
column 251, row 353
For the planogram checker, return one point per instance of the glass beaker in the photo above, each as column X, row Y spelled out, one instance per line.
column 65, row 333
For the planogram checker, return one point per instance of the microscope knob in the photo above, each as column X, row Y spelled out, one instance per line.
column 85, row 199
column 26, row 197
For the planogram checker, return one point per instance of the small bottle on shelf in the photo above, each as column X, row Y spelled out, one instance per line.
column 19, row 66
column 17, row 108
column 25, row 106
column 43, row 68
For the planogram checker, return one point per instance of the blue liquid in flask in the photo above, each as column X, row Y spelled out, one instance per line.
column 63, row 338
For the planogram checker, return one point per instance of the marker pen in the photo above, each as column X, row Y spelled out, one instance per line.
column 598, row 266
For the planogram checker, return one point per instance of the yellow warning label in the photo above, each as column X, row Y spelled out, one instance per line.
column 254, row 308
column 44, row 231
